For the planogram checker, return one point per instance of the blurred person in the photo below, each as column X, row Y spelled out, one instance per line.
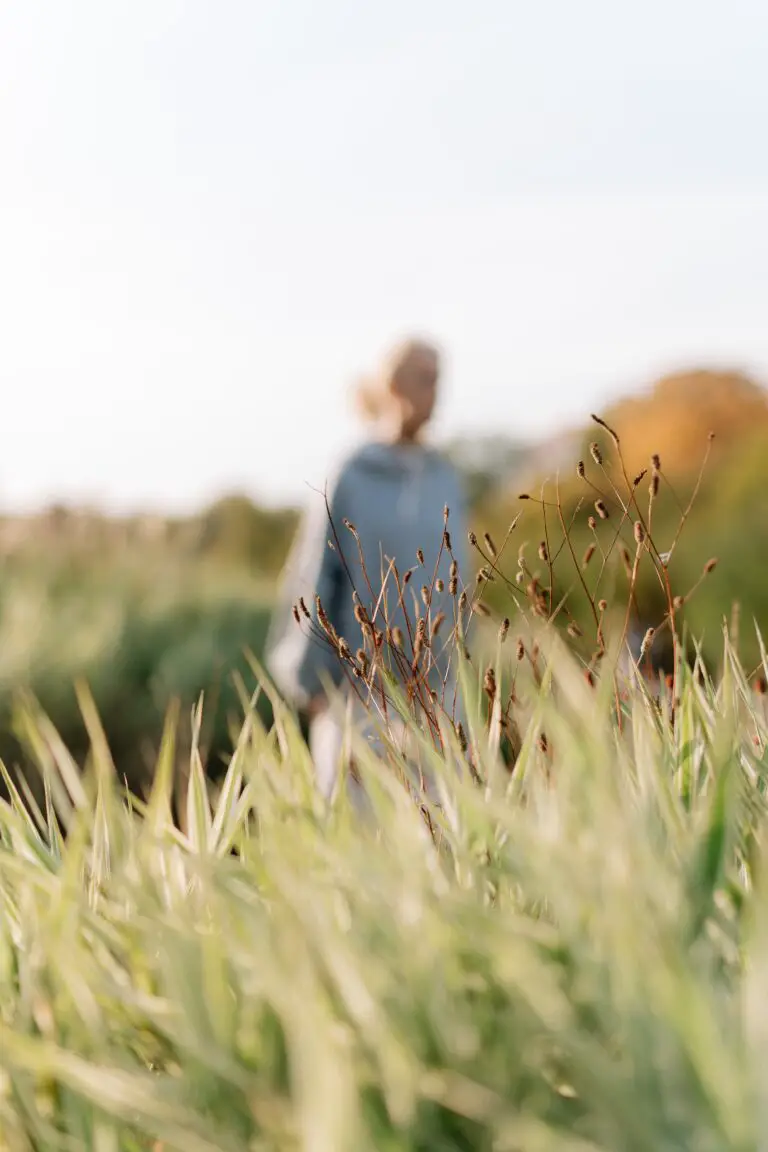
column 393, row 490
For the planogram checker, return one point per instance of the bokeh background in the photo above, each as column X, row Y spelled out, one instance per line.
column 212, row 217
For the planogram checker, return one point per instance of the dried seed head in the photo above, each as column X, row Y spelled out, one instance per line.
column 543, row 552
column 627, row 560
column 592, row 524
column 453, row 586
column 678, row 602
column 543, row 743
column 439, row 585
column 437, row 624
column 454, row 570
column 574, row 631
column 520, row 650
column 397, row 637
column 426, row 595
column 407, row 577
column 360, row 615
column 350, row 527
column 480, row 609
column 523, row 496
column 596, row 454
column 344, row 651
column 489, row 683
column 503, row 629
column 601, row 509
column 446, row 514
column 323, row 620
column 296, row 614
column 580, row 470
column 362, row 659
column 420, row 556
column 447, row 540
column 473, row 539
column 490, row 544
column 656, row 462
column 639, row 533
column 710, row 566
column 303, row 608
column 614, row 435
column 603, row 605
column 588, row 555
column 653, row 487
column 647, row 641
column 463, row 600
column 519, row 577
column 418, row 645
column 461, row 736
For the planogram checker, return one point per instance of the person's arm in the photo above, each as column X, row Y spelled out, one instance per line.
column 299, row 657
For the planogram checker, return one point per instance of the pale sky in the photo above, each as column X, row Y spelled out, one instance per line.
column 215, row 213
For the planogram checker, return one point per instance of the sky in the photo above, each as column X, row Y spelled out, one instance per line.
column 216, row 214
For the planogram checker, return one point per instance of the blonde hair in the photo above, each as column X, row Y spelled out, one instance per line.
column 373, row 393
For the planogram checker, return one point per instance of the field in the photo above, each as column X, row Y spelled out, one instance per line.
column 573, row 957
column 565, row 948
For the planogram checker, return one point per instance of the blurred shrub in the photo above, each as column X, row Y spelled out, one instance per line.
column 235, row 531
column 140, row 636
column 728, row 518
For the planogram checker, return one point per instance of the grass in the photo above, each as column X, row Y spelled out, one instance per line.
column 574, row 958
column 142, row 629
column 565, row 947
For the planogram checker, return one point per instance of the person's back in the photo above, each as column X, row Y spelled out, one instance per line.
column 384, row 516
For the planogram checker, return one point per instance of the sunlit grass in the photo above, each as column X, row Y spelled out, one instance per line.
column 574, row 960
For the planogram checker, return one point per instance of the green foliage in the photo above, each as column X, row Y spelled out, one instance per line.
column 726, row 520
column 141, row 635
column 235, row 531
column 574, row 959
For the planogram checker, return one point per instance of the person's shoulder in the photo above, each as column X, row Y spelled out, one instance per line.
column 366, row 458
column 341, row 474
column 373, row 458
column 443, row 465
column 441, row 459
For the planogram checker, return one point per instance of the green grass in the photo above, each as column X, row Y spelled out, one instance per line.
column 576, row 959
column 142, row 630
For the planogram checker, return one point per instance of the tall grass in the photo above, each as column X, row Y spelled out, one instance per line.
column 575, row 958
